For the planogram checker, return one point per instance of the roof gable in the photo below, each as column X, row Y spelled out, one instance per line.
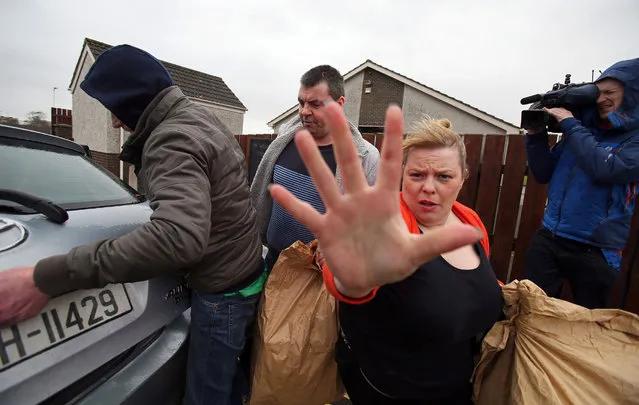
column 484, row 116
column 193, row 83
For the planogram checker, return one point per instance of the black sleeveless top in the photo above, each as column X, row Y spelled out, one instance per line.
column 417, row 338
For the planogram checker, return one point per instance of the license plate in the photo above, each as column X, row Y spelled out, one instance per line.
column 63, row 318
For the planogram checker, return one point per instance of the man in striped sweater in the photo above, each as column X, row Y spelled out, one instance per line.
column 283, row 165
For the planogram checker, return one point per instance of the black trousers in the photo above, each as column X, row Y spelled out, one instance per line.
column 552, row 259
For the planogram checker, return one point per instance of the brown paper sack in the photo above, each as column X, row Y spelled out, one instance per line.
column 553, row 352
column 294, row 347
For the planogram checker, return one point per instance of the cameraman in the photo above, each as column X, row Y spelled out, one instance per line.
column 593, row 174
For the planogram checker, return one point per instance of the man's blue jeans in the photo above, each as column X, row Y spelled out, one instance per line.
column 218, row 333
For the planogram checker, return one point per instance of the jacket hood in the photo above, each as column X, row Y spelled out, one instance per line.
column 125, row 80
column 627, row 72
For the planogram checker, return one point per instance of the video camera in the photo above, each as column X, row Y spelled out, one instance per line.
column 571, row 96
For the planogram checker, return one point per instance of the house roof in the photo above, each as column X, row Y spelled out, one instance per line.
column 498, row 122
column 193, row 83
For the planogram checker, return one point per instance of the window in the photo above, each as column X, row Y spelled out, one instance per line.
column 64, row 177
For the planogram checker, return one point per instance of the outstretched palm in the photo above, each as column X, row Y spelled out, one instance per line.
column 362, row 234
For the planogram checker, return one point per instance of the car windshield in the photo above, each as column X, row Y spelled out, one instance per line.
column 62, row 176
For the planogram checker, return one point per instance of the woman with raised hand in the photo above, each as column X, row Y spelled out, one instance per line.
column 410, row 268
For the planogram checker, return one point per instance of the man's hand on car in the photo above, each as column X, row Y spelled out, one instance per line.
column 21, row 299
column 559, row 113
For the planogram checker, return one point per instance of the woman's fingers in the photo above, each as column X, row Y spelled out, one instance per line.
column 322, row 175
column 348, row 162
column 433, row 243
column 300, row 210
column 390, row 168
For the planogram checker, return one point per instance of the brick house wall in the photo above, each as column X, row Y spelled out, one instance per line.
column 109, row 161
column 62, row 123
column 378, row 91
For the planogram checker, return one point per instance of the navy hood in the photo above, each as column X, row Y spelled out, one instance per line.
column 627, row 72
column 125, row 80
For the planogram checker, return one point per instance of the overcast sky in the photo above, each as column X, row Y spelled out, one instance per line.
column 488, row 54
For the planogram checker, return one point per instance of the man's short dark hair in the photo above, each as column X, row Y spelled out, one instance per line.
column 328, row 74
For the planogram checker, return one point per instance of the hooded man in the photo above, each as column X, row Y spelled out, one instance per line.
column 203, row 223
column 593, row 174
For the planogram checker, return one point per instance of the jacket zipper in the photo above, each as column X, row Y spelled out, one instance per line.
column 563, row 197
column 373, row 386
column 341, row 331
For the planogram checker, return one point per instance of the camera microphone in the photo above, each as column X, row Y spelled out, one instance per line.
column 531, row 99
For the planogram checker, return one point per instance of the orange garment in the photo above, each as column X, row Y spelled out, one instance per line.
column 465, row 214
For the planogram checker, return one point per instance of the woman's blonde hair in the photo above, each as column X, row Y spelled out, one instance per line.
column 435, row 134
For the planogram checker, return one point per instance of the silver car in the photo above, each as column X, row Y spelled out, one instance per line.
column 121, row 344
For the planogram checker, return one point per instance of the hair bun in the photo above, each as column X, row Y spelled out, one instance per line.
column 444, row 123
